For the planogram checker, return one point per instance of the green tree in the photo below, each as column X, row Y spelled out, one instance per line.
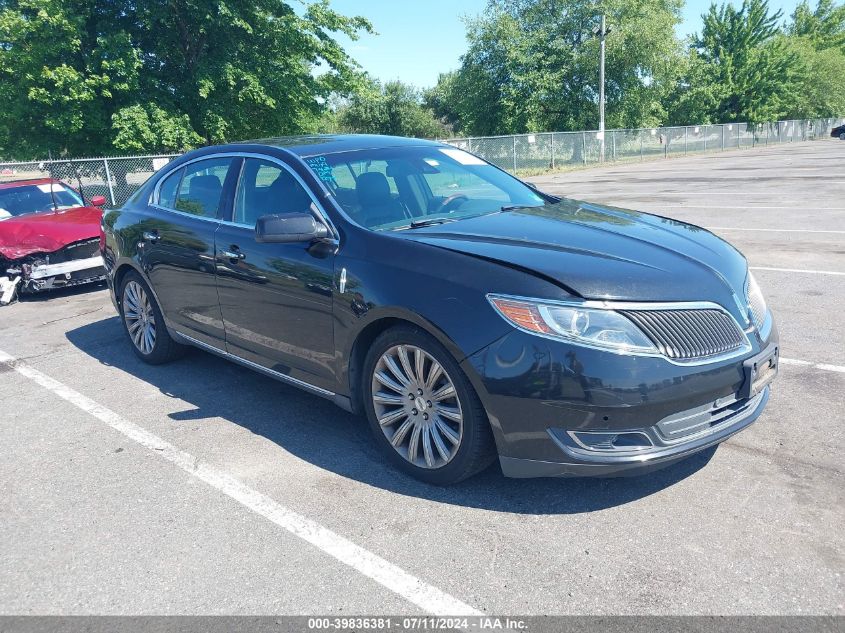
column 817, row 37
column 393, row 108
column 92, row 76
column 149, row 128
column 694, row 98
column 747, row 66
column 533, row 65
column 819, row 89
column 64, row 70
column 824, row 26
column 466, row 101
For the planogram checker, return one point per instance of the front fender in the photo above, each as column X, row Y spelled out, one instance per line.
column 441, row 292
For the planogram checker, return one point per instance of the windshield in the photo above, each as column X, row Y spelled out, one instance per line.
column 401, row 187
column 36, row 198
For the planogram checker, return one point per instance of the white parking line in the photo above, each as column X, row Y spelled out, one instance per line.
column 736, row 228
column 805, row 363
column 425, row 596
column 746, row 207
column 798, row 270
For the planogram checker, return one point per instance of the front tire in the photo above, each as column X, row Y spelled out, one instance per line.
column 144, row 324
column 422, row 409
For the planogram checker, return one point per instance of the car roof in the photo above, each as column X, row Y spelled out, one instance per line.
column 310, row 145
column 26, row 182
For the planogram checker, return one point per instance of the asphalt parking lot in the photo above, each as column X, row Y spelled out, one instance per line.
column 200, row 487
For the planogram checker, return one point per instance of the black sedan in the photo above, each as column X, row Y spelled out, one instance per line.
column 838, row 132
column 465, row 313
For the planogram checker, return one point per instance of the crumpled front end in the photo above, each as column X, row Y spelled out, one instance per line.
column 72, row 265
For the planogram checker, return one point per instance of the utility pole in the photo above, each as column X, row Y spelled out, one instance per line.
column 602, row 34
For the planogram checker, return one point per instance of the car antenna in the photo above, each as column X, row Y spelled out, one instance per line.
column 50, row 171
column 78, row 181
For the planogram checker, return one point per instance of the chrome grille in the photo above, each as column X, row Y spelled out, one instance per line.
column 689, row 334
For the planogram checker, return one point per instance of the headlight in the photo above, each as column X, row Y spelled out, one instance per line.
column 587, row 326
column 756, row 301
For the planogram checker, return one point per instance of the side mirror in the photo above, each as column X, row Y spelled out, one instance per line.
column 285, row 228
column 98, row 201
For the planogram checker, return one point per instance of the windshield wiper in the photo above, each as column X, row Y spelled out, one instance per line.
column 430, row 222
column 517, row 207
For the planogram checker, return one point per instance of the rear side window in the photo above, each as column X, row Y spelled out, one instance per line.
column 197, row 188
column 167, row 190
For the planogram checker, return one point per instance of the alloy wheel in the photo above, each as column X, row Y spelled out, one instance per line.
column 139, row 317
column 417, row 406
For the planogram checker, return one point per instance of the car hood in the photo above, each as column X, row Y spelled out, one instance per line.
column 47, row 232
column 601, row 252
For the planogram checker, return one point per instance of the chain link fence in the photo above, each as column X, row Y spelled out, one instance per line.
column 554, row 150
column 118, row 178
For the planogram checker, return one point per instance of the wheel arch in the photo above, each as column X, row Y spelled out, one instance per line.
column 120, row 273
column 374, row 327
column 124, row 267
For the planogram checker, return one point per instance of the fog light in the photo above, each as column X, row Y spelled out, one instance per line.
column 610, row 441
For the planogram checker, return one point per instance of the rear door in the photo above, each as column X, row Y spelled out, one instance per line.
column 178, row 245
column 276, row 299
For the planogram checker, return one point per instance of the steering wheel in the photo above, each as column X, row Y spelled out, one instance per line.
column 448, row 201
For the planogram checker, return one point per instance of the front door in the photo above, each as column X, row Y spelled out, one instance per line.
column 178, row 246
column 275, row 299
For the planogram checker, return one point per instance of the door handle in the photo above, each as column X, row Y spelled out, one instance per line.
column 234, row 254
column 151, row 236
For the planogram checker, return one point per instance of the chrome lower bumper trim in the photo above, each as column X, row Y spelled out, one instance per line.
column 43, row 271
column 720, row 427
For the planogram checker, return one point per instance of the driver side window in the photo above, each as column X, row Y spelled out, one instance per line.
column 266, row 188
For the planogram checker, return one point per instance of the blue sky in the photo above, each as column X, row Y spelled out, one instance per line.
column 418, row 39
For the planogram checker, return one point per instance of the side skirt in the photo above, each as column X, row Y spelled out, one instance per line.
column 344, row 402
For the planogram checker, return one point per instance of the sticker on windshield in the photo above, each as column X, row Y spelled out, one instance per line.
column 46, row 188
column 321, row 167
column 464, row 158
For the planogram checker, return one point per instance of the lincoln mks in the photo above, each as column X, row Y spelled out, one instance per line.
column 466, row 314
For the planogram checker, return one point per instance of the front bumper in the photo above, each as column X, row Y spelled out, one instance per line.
column 584, row 464
column 562, row 410
column 43, row 276
column 74, row 264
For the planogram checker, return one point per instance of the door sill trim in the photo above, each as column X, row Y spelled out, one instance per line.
column 325, row 393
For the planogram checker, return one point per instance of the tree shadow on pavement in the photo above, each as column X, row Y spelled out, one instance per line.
column 317, row 431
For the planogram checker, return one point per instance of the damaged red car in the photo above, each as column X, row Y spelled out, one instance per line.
column 49, row 237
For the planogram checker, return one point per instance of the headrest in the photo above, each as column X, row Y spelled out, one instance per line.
column 287, row 195
column 206, row 183
column 372, row 188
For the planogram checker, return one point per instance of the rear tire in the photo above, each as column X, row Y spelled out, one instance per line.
column 144, row 324
column 422, row 409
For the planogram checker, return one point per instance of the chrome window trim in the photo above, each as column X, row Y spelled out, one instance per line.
column 633, row 306
column 154, row 196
